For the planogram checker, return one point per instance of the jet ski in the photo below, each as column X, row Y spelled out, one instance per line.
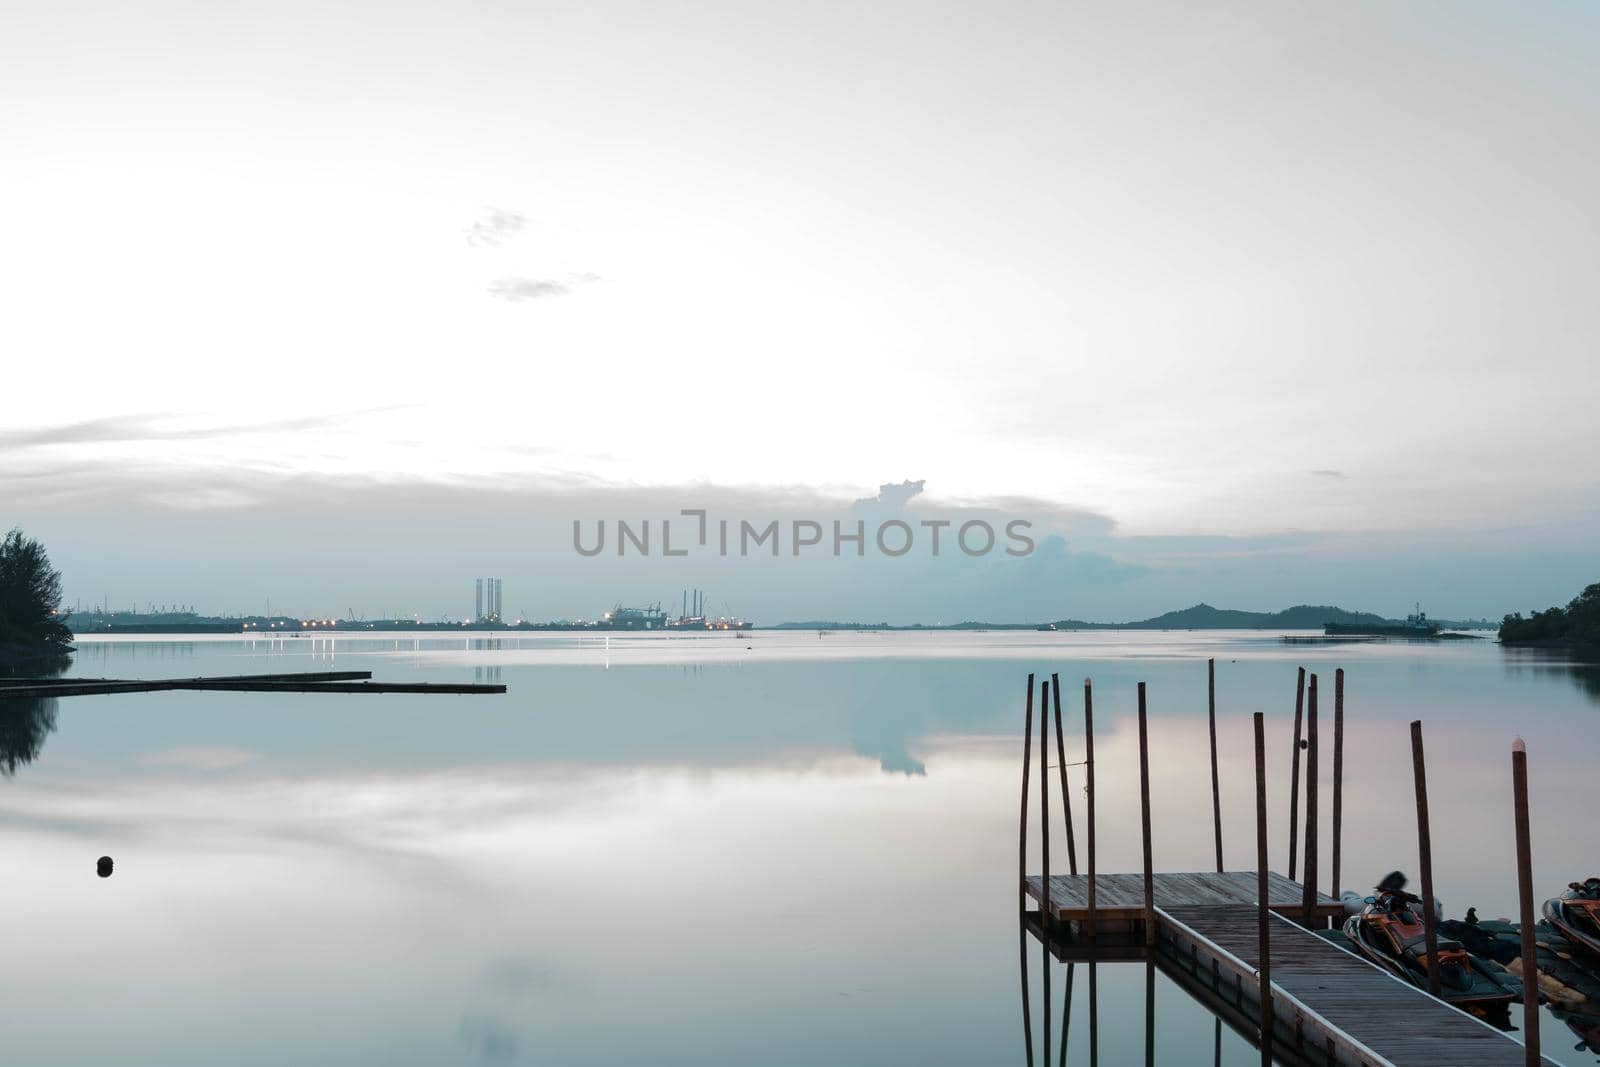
column 1576, row 913
column 1389, row 932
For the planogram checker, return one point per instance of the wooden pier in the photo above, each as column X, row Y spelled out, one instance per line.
column 1120, row 897
column 1330, row 1006
column 298, row 682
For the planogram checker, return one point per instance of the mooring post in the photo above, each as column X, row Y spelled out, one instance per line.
column 1144, row 825
column 1530, row 951
column 1022, row 825
column 1088, row 792
column 1430, row 929
column 1294, row 775
column 1338, row 773
column 1022, row 877
column 1216, row 789
column 1263, row 941
column 1309, row 896
column 1061, row 762
column 1045, row 914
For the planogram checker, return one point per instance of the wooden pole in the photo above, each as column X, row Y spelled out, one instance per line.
column 1144, row 825
column 1022, row 829
column 1216, row 789
column 1294, row 775
column 1045, row 914
column 1338, row 774
column 1530, row 952
column 1425, row 857
column 1061, row 763
column 1309, row 897
column 1088, row 790
column 1263, row 941
column 1022, row 876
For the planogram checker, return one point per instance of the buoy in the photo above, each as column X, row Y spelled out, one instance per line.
column 103, row 868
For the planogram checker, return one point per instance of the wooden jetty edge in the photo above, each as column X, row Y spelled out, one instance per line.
column 301, row 682
column 1119, row 898
column 1329, row 1004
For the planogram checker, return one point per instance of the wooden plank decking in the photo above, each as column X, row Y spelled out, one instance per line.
column 1329, row 1003
column 1121, row 896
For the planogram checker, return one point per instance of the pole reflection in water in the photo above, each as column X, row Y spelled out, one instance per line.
column 1066, row 1012
column 1094, row 1014
column 1149, row 1013
column 1027, row 1012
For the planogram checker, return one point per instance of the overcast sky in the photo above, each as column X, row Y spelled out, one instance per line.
column 1255, row 304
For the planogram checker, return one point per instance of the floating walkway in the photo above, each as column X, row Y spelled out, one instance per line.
column 300, row 682
column 1119, row 898
column 1329, row 1005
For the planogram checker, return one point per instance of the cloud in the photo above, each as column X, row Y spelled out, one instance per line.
column 1324, row 473
column 149, row 427
column 537, row 288
column 495, row 228
column 200, row 758
column 892, row 496
column 527, row 288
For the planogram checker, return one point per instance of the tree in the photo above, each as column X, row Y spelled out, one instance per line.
column 1577, row 623
column 30, row 594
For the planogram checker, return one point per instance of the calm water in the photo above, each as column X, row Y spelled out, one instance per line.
column 776, row 848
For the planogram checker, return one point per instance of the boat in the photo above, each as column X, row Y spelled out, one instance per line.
column 1389, row 933
column 1417, row 624
column 1576, row 913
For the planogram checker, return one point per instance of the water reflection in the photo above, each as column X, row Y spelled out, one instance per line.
column 26, row 721
column 1536, row 662
column 1169, row 1029
column 24, row 724
column 628, row 831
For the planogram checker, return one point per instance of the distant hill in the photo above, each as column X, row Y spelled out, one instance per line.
column 1206, row 617
column 1199, row 617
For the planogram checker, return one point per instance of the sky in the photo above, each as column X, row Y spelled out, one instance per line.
column 344, row 305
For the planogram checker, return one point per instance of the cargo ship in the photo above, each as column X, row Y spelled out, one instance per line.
column 694, row 617
column 646, row 618
column 1416, row 625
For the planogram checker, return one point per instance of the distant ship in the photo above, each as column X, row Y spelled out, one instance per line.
column 1416, row 625
column 647, row 618
column 653, row 618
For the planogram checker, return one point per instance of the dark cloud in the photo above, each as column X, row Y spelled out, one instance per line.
column 495, row 228
column 1328, row 473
